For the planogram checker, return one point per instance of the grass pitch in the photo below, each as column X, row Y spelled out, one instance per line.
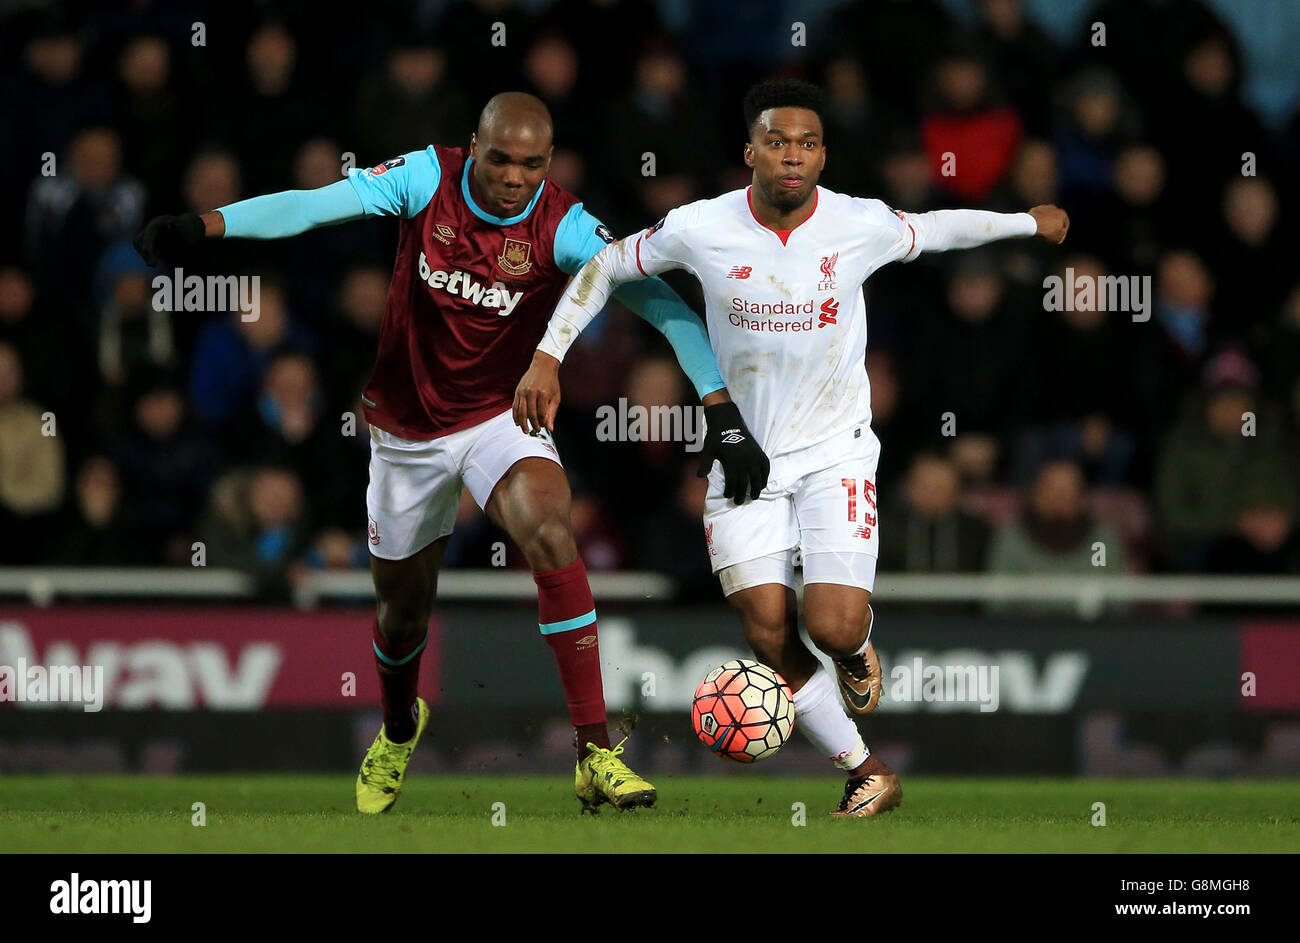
column 258, row 813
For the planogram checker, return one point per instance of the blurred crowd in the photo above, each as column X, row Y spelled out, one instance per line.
column 1015, row 438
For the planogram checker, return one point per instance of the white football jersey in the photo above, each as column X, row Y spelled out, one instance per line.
column 785, row 311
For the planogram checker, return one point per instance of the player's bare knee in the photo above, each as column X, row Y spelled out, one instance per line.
column 549, row 544
column 838, row 634
column 404, row 621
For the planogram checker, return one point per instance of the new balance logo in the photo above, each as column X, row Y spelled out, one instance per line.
column 740, row 271
column 830, row 308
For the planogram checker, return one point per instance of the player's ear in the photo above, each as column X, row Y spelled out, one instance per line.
column 473, row 145
column 749, row 154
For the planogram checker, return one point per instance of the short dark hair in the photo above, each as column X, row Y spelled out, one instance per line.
column 782, row 93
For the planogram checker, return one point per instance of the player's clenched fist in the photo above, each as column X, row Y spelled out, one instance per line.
column 745, row 465
column 537, row 396
column 168, row 239
column 1052, row 222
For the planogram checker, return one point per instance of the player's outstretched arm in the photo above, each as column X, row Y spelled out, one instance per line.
column 537, row 397
column 402, row 186
column 169, row 239
column 943, row 230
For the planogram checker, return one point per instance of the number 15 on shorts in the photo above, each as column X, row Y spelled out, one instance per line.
column 868, row 518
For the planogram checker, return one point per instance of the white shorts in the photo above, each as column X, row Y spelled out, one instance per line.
column 415, row 485
column 823, row 509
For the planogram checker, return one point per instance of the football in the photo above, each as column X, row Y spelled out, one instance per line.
column 743, row 711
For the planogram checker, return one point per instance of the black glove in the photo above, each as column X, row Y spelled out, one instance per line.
column 169, row 239
column 730, row 442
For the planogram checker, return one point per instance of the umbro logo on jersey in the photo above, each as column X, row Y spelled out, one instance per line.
column 830, row 308
column 740, row 271
column 444, row 233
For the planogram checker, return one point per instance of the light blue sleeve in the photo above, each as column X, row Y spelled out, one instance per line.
column 580, row 236
column 401, row 186
column 290, row 212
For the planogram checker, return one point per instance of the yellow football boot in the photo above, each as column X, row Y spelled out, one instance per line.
column 603, row 777
column 384, row 767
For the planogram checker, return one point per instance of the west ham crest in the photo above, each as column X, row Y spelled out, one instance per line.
column 516, row 257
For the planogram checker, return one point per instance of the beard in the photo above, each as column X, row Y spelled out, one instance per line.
column 787, row 200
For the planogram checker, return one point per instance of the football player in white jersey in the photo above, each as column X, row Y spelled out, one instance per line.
column 782, row 263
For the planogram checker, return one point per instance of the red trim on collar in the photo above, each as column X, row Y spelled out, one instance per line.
column 784, row 234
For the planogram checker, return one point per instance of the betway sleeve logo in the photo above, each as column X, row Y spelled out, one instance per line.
column 464, row 285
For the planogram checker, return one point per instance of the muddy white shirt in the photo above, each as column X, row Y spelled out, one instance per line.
column 785, row 311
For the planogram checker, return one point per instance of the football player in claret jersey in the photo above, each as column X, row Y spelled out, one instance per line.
column 486, row 245
column 782, row 263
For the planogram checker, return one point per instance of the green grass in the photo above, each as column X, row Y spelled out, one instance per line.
column 258, row 813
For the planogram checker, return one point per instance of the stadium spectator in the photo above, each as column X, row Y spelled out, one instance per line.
column 970, row 137
column 290, row 428
column 1035, row 180
column 1098, row 122
column 896, row 42
column 156, row 123
column 77, row 212
column 1055, row 535
column 1082, row 377
column 58, row 372
column 551, row 72
column 31, row 463
column 1205, row 122
column 411, row 102
column 1129, row 225
column 1227, row 469
column 257, row 523
column 969, row 362
column 274, row 112
column 1022, row 55
column 234, row 351
column 50, row 96
column 855, row 127
column 167, row 467
column 96, row 529
column 337, row 549
column 133, row 332
column 927, row 531
column 1171, row 348
column 1254, row 257
column 661, row 121
column 352, row 335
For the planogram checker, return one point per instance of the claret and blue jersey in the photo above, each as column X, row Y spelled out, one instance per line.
column 471, row 293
